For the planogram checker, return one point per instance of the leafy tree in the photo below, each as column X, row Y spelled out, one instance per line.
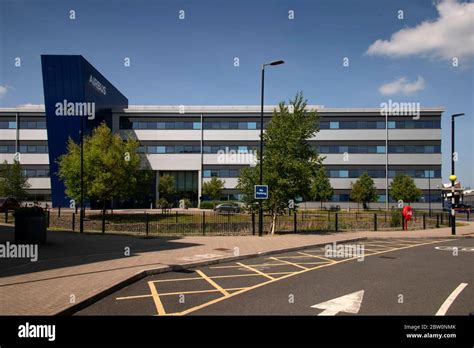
column 213, row 188
column 166, row 190
column 403, row 187
column 13, row 183
column 321, row 189
column 289, row 160
column 111, row 166
column 364, row 190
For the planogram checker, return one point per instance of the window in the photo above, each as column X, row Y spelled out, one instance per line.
column 206, row 173
column 380, row 149
column 12, row 125
column 391, row 124
column 334, row 125
column 343, row 173
column 160, row 149
column 252, row 125
column 196, row 125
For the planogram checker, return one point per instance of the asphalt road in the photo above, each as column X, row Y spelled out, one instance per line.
column 395, row 277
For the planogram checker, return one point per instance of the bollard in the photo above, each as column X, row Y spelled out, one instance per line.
column 203, row 223
column 147, row 221
column 375, row 222
column 336, row 222
column 48, row 217
column 253, row 224
column 176, row 216
column 403, row 223
column 295, row 227
column 73, row 222
column 468, row 213
column 437, row 220
column 6, row 216
column 424, row 221
column 59, row 211
column 103, row 221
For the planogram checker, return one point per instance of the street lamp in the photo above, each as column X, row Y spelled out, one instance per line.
column 81, row 213
column 260, row 208
column 453, row 178
column 452, row 140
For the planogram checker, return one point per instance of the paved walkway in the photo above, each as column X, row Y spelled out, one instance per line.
column 72, row 267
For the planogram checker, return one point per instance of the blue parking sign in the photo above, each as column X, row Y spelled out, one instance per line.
column 261, row 191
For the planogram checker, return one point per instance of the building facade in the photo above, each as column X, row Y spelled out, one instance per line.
column 196, row 143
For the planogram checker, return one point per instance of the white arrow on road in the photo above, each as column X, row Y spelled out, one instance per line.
column 349, row 303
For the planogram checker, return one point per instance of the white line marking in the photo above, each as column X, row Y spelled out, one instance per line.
column 445, row 306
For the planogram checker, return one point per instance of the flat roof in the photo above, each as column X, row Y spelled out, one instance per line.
column 217, row 108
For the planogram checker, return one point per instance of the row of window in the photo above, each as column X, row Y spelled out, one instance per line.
column 328, row 149
column 36, row 173
column 188, row 125
column 221, row 173
column 407, row 124
column 24, row 149
column 23, row 124
column 345, row 197
column 194, row 149
column 380, row 173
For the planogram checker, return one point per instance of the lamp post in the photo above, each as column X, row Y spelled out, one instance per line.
column 260, row 208
column 452, row 140
column 453, row 178
column 81, row 212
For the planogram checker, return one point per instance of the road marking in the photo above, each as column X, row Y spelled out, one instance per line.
column 132, row 297
column 255, row 270
column 445, row 306
column 198, row 291
column 156, row 298
column 289, row 263
column 332, row 263
column 213, row 283
column 255, row 265
column 349, row 303
column 453, row 248
column 319, row 257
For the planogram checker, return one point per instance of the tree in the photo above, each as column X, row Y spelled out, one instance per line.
column 289, row 159
column 403, row 188
column 13, row 183
column 213, row 188
column 364, row 190
column 321, row 189
column 111, row 166
column 166, row 190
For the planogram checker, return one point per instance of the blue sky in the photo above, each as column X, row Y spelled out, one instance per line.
column 191, row 61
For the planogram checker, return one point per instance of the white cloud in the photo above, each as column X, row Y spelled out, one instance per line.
column 402, row 86
column 450, row 35
column 3, row 90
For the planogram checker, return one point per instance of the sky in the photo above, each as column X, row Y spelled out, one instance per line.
column 209, row 52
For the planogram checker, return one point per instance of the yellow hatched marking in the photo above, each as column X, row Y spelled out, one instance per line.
column 132, row 297
column 289, row 263
column 198, row 291
column 193, row 309
column 156, row 298
column 256, row 271
column 255, row 265
column 316, row 256
column 222, row 276
column 213, row 283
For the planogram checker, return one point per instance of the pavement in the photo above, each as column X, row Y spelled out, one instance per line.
column 389, row 277
column 74, row 270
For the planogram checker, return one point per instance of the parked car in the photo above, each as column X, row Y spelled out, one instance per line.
column 8, row 204
column 227, row 208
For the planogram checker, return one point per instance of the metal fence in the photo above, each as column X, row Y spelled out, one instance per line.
column 212, row 223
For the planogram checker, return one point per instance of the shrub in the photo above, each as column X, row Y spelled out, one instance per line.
column 29, row 212
column 186, row 203
column 396, row 219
